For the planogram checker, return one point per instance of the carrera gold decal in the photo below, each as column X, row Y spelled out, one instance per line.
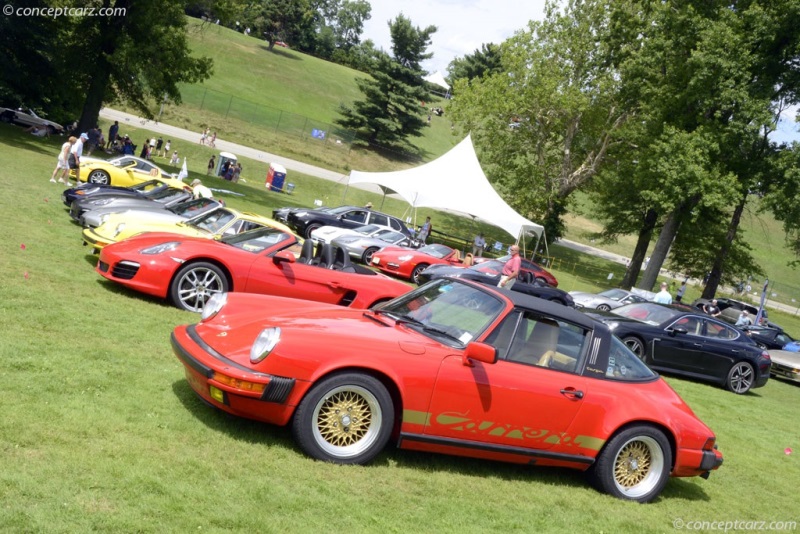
column 415, row 417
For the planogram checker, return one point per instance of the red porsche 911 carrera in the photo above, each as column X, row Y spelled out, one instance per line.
column 189, row 270
column 451, row 367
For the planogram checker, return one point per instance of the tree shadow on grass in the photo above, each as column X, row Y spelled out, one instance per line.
column 16, row 137
column 278, row 50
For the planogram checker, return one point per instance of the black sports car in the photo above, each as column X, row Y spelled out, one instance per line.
column 85, row 190
column 683, row 341
column 768, row 338
column 488, row 272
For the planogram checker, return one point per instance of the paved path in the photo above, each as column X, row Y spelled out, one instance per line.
column 174, row 132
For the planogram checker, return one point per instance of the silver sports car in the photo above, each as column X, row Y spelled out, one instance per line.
column 605, row 300
column 142, row 209
column 362, row 247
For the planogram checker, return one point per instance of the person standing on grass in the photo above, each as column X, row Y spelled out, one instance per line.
column 211, row 164
column 62, row 161
column 112, row 134
column 166, row 148
column 681, row 291
column 425, row 231
column 511, row 269
column 74, row 158
column 663, row 296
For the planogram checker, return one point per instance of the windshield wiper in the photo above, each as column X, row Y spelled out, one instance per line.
column 434, row 330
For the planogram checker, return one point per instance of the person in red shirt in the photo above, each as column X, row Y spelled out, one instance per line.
column 511, row 269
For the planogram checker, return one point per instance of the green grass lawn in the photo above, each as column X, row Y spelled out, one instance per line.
column 101, row 433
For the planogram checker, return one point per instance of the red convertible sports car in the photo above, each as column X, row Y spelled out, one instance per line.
column 189, row 270
column 408, row 263
column 451, row 367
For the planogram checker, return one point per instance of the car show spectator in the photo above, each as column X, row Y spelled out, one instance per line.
column 74, row 158
column 175, row 159
column 663, row 296
column 166, row 148
column 511, row 269
column 478, row 245
column 744, row 319
column 199, row 190
column 211, row 164
column 113, row 131
column 62, row 164
column 425, row 231
column 38, row 131
column 711, row 308
column 681, row 291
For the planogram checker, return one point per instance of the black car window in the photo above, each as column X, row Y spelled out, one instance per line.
column 377, row 218
column 359, row 216
column 718, row 330
column 545, row 342
column 692, row 325
column 783, row 339
column 394, row 223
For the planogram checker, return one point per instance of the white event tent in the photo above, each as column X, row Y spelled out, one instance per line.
column 437, row 79
column 453, row 182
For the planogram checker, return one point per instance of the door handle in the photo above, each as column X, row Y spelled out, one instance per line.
column 697, row 344
column 335, row 285
column 571, row 392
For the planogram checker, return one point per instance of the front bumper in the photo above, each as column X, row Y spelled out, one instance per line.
column 95, row 240
column 203, row 366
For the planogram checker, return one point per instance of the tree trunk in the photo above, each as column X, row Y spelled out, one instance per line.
column 716, row 270
column 640, row 252
column 665, row 239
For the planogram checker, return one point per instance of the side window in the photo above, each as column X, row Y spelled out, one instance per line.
column 395, row 224
column 624, row 365
column 782, row 339
column 377, row 218
column 692, row 325
column 545, row 342
column 356, row 216
column 720, row 331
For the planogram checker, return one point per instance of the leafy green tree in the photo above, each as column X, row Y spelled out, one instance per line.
column 543, row 126
column 139, row 55
column 349, row 23
column 280, row 20
column 482, row 62
column 390, row 111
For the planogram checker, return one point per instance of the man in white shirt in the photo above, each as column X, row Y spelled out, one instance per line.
column 75, row 154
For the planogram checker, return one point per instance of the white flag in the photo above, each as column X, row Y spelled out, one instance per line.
column 184, row 171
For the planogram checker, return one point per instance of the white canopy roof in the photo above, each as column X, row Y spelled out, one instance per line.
column 453, row 182
column 437, row 79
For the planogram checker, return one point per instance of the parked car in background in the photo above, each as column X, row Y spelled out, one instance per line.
column 768, row 338
column 83, row 190
column 122, row 171
column 142, row 209
column 210, row 225
column 452, row 367
column 488, row 273
column 306, row 221
column 731, row 309
column 408, row 264
column 536, row 270
column 605, row 300
column 189, row 270
column 326, row 234
column 362, row 247
column 164, row 195
column 680, row 340
column 785, row 364
column 28, row 117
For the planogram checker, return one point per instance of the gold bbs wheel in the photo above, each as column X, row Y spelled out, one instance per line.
column 637, row 465
column 344, row 419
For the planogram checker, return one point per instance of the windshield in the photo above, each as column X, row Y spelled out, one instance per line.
column 614, row 294
column 390, row 236
column 437, row 251
column 446, row 310
column 368, row 229
column 340, row 209
column 647, row 312
column 212, row 221
column 256, row 240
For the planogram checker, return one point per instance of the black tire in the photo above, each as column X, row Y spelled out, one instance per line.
column 195, row 283
column 98, row 176
column 310, row 228
column 51, row 130
column 5, row 117
column 367, row 257
column 636, row 345
column 604, row 307
column 634, row 464
column 344, row 419
column 415, row 273
column 740, row 378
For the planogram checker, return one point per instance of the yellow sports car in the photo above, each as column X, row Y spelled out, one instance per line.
column 211, row 224
column 123, row 171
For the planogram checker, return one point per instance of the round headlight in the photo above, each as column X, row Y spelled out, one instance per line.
column 265, row 342
column 213, row 306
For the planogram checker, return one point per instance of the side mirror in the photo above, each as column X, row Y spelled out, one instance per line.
column 481, row 352
column 284, row 256
column 679, row 330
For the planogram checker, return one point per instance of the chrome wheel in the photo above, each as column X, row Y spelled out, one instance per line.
column 99, row 177
column 638, row 466
column 195, row 284
column 740, row 378
column 635, row 345
column 415, row 273
column 604, row 307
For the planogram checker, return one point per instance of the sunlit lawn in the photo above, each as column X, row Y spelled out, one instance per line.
column 101, row 433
